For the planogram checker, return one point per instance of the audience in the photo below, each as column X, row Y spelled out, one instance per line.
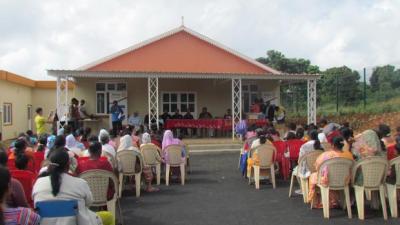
column 56, row 183
column 13, row 215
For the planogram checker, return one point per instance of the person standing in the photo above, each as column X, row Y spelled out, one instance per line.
column 177, row 116
column 204, row 115
column 74, row 115
column 117, row 115
column 40, row 121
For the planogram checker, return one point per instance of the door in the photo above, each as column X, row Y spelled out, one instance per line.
column 29, row 117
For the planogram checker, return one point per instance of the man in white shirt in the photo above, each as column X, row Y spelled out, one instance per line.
column 135, row 120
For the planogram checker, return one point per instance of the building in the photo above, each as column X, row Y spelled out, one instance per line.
column 180, row 69
column 19, row 98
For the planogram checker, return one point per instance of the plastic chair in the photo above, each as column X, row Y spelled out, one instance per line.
column 27, row 179
column 373, row 169
column 151, row 157
column 280, row 158
column 57, row 209
column 307, row 160
column 174, row 153
column 98, row 181
column 127, row 163
column 266, row 154
column 187, row 155
column 393, row 188
column 294, row 148
column 38, row 158
column 339, row 172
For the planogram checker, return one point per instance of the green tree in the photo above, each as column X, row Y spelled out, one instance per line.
column 348, row 85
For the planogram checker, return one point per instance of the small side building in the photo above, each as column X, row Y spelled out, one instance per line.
column 19, row 98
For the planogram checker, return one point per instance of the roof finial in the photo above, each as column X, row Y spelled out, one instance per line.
column 183, row 21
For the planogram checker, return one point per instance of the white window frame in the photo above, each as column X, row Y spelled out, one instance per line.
column 7, row 114
column 179, row 101
column 248, row 85
column 106, row 92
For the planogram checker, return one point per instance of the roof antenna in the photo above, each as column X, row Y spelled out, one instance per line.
column 183, row 21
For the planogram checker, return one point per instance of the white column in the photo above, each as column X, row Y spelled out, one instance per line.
column 312, row 101
column 236, row 103
column 152, row 84
column 62, row 99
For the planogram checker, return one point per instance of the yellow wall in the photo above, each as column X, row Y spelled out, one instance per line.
column 20, row 96
column 46, row 99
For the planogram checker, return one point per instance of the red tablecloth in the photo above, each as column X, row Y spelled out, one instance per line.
column 220, row 124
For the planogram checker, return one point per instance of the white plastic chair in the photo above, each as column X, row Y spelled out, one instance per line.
column 152, row 158
column 339, row 172
column 98, row 181
column 393, row 188
column 307, row 160
column 266, row 154
column 126, row 163
column 373, row 169
column 174, row 153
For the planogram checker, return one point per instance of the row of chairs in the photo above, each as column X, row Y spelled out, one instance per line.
column 373, row 171
column 151, row 154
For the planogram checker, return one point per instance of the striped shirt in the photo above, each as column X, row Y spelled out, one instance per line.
column 20, row 216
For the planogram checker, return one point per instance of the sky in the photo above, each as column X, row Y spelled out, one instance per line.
column 54, row 34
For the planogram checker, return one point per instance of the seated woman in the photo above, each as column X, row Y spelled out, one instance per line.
column 20, row 148
column 94, row 161
column 40, row 152
column 126, row 144
column 16, row 215
column 73, row 144
column 56, row 184
column 254, row 159
column 335, row 152
column 107, row 149
column 367, row 144
column 16, row 197
column 168, row 139
column 385, row 133
column 393, row 151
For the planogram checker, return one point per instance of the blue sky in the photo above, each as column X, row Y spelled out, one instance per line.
column 52, row 34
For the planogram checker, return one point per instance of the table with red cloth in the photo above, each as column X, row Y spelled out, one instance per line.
column 219, row 124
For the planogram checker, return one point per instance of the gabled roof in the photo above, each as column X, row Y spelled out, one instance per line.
column 180, row 50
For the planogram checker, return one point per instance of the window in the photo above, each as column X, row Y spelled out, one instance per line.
column 7, row 114
column 178, row 100
column 104, row 95
column 249, row 94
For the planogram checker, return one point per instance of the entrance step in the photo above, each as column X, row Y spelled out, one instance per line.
column 197, row 145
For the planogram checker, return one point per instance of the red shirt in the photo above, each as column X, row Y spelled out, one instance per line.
column 90, row 164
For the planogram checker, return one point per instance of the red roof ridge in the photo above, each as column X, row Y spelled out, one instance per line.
column 170, row 33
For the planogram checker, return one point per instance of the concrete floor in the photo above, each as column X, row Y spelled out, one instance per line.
column 216, row 194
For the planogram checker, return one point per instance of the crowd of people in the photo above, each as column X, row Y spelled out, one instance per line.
column 53, row 164
column 333, row 140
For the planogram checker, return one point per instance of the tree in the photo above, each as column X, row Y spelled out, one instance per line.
column 278, row 61
column 348, row 85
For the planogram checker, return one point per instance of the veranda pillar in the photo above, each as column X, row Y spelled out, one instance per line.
column 312, row 101
column 62, row 100
column 152, row 84
column 236, row 103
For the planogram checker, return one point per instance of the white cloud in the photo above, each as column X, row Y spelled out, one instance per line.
column 39, row 35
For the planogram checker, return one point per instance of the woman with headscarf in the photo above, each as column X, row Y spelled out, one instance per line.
column 73, row 145
column 127, row 145
column 367, row 144
column 104, row 139
column 168, row 139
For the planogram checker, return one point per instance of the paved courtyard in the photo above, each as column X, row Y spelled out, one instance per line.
column 216, row 194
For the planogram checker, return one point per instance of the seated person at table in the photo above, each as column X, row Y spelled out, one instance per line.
column 16, row 198
column 56, row 184
column 17, row 215
column 188, row 115
column 205, row 114
column 177, row 115
column 228, row 114
column 255, row 107
column 165, row 116
column 135, row 120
